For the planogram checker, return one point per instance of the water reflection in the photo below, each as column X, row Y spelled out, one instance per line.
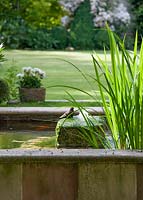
column 32, row 139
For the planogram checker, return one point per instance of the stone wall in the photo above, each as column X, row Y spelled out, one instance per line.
column 22, row 118
column 71, row 175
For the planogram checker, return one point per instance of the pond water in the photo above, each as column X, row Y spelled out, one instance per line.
column 27, row 139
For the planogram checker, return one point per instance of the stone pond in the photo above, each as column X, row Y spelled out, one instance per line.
column 63, row 174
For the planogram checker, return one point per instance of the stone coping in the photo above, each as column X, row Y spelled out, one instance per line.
column 67, row 101
column 71, row 155
column 45, row 110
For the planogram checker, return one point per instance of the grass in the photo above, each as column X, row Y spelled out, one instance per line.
column 52, row 104
column 58, row 70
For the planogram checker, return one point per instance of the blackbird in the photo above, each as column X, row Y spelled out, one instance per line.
column 68, row 114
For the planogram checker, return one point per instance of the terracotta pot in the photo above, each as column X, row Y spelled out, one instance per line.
column 32, row 94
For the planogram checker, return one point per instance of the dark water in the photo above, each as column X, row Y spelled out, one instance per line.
column 27, row 139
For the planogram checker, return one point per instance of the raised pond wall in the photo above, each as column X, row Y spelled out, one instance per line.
column 29, row 118
column 66, row 174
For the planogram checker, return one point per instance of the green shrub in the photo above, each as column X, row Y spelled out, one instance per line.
column 16, row 34
column 82, row 28
column 1, row 54
column 13, row 32
column 12, row 82
column 4, row 90
column 36, row 13
column 137, row 12
column 38, row 39
column 101, row 38
column 44, row 13
column 59, row 37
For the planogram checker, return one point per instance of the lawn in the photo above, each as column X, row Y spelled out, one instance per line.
column 58, row 70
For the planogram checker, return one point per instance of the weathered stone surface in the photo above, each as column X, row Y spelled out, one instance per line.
column 13, row 156
column 76, row 132
column 10, row 182
column 107, row 181
column 71, row 174
column 50, row 182
column 45, row 110
column 139, row 181
column 17, row 117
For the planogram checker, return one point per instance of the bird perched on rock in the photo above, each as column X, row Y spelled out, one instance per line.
column 68, row 114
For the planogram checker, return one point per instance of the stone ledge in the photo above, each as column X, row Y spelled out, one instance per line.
column 18, row 117
column 44, row 110
column 71, row 155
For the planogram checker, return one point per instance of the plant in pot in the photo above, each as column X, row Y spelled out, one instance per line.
column 30, row 85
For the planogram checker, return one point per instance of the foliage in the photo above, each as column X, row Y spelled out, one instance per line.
column 103, row 11
column 10, row 78
column 121, row 95
column 44, row 13
column 4, row 90
column 101, row 38
column 38, row 39
column 137, row 9
column 13, row 32
column 59, row 36
column 82, row 29
column 26, row 23
column 30, row 78
column 11, row 9
column 37, row 13
column 16, row 34
column 124, row 88
column 35, row 24
column 1, row 53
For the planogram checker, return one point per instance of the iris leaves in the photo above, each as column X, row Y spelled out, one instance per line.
column 124, row 90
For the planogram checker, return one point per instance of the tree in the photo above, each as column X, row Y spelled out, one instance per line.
column 82, row 28
column 44, row 13
column 137, row 8
column 36, row 13
column 13, row 8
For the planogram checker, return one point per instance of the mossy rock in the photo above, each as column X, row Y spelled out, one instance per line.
column 74, row 132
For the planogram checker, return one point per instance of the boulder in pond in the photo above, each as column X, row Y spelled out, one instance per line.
column 78, row 132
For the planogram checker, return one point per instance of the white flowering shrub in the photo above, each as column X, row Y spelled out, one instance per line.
column 112, row 12
column 120, row 13
column 71, row 5
column 30, row 78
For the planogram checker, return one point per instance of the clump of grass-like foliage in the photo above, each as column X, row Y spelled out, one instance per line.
column 124, row 89
column 121, row 95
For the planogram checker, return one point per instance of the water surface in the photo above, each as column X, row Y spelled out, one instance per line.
column 27, row 139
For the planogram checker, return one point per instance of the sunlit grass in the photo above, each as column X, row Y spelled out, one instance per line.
column 57, row 69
